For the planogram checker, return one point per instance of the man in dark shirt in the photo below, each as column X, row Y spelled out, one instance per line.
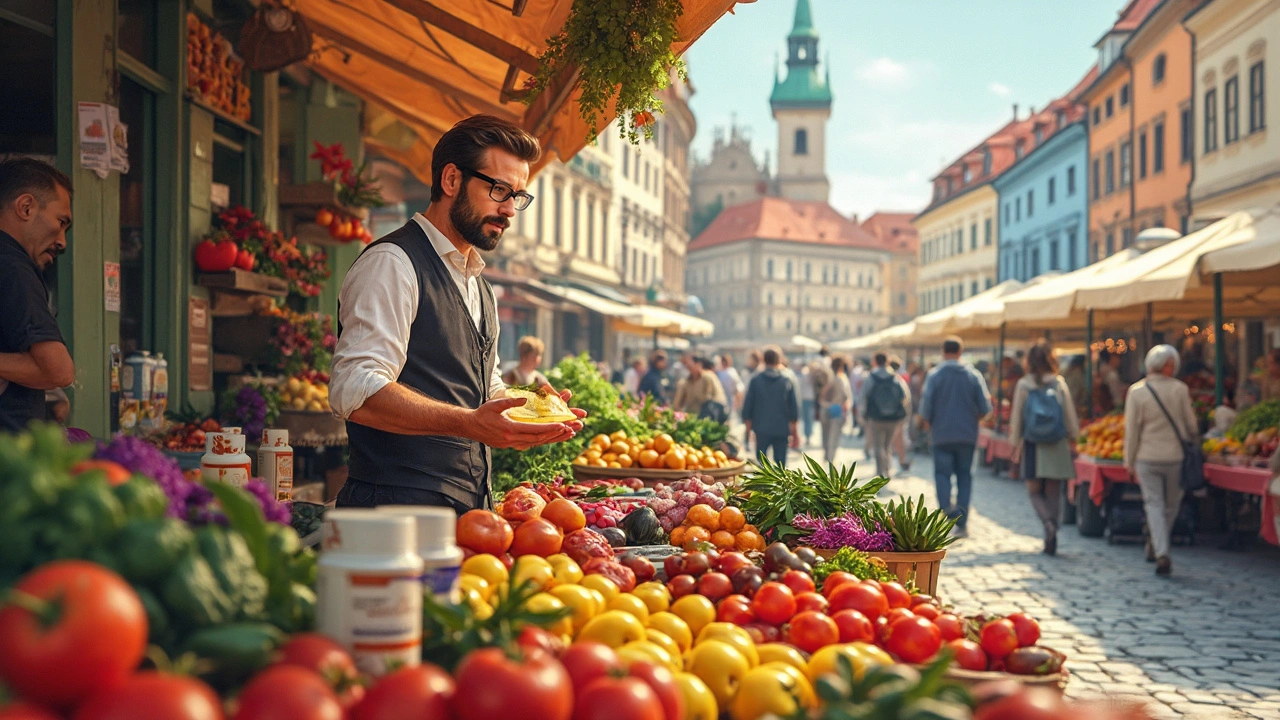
column 35, row 212
column 655, row 382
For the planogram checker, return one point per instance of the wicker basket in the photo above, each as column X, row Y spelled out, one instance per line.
column 651, row 477
column 920, row 568
column 972, row 678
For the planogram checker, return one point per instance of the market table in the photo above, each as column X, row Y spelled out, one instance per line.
column 1099, row 475
column 1251, row 481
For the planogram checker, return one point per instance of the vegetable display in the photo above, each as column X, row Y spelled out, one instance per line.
column 773, row 495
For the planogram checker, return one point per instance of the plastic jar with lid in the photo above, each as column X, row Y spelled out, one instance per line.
column 275, row 463
column 369, row 588
column 224, row 459
column 441, row 557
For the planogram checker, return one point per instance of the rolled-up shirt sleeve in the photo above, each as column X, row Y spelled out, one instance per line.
column 377, row 305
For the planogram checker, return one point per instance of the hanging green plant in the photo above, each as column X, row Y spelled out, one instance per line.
column 619, row 47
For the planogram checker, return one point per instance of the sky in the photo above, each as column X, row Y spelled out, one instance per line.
column 915, row 82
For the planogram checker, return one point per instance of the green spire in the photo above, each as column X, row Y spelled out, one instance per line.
column 803, row 25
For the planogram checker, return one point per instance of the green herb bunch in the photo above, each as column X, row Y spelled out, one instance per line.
column 621, row 50
column 1259, row 417
column 772, row 495
column 892, row 692
column 852, row 561
column 914, row 527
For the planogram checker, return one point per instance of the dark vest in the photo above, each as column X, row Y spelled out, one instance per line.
column 448, row 360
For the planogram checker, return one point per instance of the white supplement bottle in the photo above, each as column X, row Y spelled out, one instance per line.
column 275, row 464
column 369, row 588
column 441, row 557
column 224, row 459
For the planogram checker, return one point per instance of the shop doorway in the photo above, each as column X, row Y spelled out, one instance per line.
column 137, row 221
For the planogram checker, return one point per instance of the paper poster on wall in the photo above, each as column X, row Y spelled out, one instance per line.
column 111, row 285
column 199, row 350
column 118, row 133
column 95, row 151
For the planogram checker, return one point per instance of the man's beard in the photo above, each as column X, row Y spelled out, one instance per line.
column 473, row 227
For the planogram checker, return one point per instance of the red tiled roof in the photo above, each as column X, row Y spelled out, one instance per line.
column 1133, row 14
column 787, row 220
column 1074, row 93
column 894, row 230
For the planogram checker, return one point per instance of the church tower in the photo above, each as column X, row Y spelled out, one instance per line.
column 801, row 106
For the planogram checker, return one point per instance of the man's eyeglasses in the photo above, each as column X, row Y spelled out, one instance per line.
column 500, row 191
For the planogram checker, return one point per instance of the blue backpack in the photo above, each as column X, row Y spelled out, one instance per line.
column 1042, row 417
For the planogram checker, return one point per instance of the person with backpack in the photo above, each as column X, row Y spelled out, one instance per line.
column 884, row 403
column 955, row 400
column 1043, row 427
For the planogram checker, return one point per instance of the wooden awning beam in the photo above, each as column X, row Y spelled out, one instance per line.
column 470, row 34
column 358, row 46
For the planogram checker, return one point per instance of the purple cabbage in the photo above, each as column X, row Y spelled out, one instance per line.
column 844, row 531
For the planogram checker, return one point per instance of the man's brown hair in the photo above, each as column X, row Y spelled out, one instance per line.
column 530, row 345
column 19, row 175
column 465, row 143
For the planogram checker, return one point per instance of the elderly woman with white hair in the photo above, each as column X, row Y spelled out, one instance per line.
column 1157, row 412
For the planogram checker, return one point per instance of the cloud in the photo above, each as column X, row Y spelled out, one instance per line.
column 1000, row 89
column 884, row 72
column 865, row 193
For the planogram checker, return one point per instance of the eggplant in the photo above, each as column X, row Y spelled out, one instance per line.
column 1034, row 660
column 778, row 557
column 807, row 554
column 615, row 536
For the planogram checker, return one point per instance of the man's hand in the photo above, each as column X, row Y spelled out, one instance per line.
column 565, row 395
column 1015, row 457
column 489, row 426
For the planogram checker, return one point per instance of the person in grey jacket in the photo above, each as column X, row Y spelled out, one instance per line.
column 885, row 402
column 955, row 399
column 770, row 409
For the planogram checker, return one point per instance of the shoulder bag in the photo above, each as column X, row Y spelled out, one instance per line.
column 1192, row 453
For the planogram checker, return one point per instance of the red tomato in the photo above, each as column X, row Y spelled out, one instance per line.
column 288, row 692
column 622, row 576
column 811, row 601
column 1033, row 704
column 152, row 696
column 811, row 630
column 663, row 684
column 761, row 633
column 731, row 562
column 913, row 639
column 565, row 514
column 625, row 698
column 587, row 660
column 969, row 654
column 696, row 563
column 715, row 586
column 735, row 609
column 926, row 610
column 317, row 652
column 835, row 580
column 897, row 614
column 897, row 595
column 522, row 504
column 492, row 686
column 537, row 537
column 682, row 585
column 484, row 532
column 26, row 711
column 93, row 638
column 999, row 638
column 423, row 692
column 1027, row 628
column 951, row 626
column 869, row 601
column 533, row 636
column 641, row 566
column 582, row 545
column 245, row 260
column 799, row 581
column 774, row 603
column 854, row 626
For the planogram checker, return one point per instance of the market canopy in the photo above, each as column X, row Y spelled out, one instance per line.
column 430, row 63
column 938, row 323
column 1053, row 299
column 635, row 318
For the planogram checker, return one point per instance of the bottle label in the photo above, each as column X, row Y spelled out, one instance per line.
column 126, row 380
column 283, row 479
column 237, row 475
column 443, row 583
column 160, row 384
column 377, row 616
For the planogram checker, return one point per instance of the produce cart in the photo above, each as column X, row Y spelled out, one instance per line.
column 1096, row 478
column 1250, row 481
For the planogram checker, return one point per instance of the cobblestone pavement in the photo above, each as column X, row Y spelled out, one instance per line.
column 1202, row 644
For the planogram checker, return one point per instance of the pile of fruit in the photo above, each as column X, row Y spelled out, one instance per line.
column 307, row 391
column 1103, row 439
column 726, row 529
column 672, row 502
column 656, row 453
column 343, row 226
column 213, row 74
column 187, row 437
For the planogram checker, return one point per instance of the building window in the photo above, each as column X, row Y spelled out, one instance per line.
column 1142, row 154
column 1097, row 115
column 1039, row 136
column 1231, row 110
column 1007, row 212
column 1071, row 250
column 788, row 270
column 1124, row 95
column 808, row 272
column 1035, row 262
column 1210, row 120
column 802, row 142
column 902, row 299
column 986, row 153
column 1020, row 148
column 1051, row 189
column 1157, row 147
column 1071, row 181
column 1097, row 178
column 989, row 283
column 1111, row 107
column 1031, row 203
column 1188, row 136
column 559, row 213
column 1111, row 171
column 986, row 232
column 1126, row 164
column 1017, row 209
column 770, row 296
column 768, row 264
column 1257, row 98
column 973, row 289
column 973, row 236
column 968, row 174
column 1157, row 70
column 1053, row 254
column 1111, row 244
column 1126, row 237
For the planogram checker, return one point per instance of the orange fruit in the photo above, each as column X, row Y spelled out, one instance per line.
column 692, row 464
column 624, row 460
column 648, row 444
column 732, row 519
column 649, row 459
column 609, row 457
column 592, row 454
column 703, row 516
column 677, row 536
column 662, row 443
column 673, row 459
column 619, row 448
column 615, row 464
column 723, row 540
column 601, row 441
column 751, row 528
column 597, row 463
column 694, row 535
column 748, row 540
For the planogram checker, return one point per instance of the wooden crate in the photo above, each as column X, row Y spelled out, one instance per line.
column 973, row 678
column 244, row 281
column 313, row 196
column 651, row 477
